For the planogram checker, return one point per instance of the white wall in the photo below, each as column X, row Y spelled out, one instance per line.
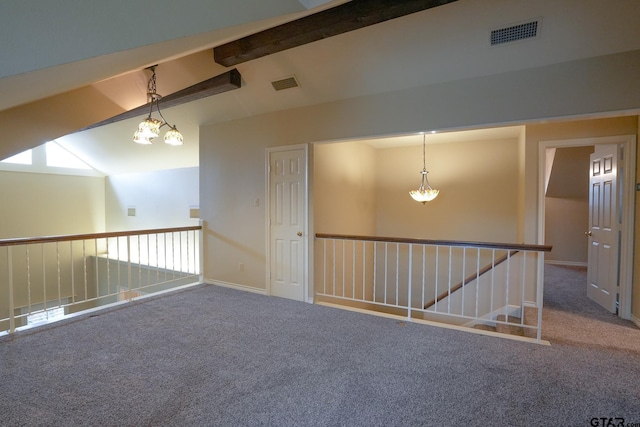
column 161, row 199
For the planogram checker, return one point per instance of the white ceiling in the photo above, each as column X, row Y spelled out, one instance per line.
column 447, row 43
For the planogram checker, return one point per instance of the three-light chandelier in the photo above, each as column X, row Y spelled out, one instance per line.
column 424, row 193
column 149, row 128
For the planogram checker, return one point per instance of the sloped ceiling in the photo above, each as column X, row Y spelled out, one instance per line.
column 447, row 43
column 569, row 177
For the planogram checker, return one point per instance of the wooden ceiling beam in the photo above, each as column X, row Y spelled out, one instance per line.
column 347, row 17
column 225, row 82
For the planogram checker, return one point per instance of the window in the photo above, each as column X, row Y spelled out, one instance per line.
column 50, row 158
column 24, row 158
column 61, row 158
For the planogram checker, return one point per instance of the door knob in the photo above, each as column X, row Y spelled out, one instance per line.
column 299, row 233
column 587, row 233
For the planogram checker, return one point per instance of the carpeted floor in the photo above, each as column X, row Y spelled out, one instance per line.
column 570, row 317
column 210, row 356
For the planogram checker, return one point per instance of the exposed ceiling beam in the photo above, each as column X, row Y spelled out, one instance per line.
column 347, row 17
column 222, row 83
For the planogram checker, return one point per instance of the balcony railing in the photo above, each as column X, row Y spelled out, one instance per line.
column 490, row 286
column 58, row 276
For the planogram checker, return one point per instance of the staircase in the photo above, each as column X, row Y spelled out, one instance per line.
column 512, row 325
column 483, row 285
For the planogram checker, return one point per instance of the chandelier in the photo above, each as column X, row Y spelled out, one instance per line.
column 424, row 193
column 149, row 128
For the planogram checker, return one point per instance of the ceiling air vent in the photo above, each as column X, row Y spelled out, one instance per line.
column 513, row 33
column 283, row 84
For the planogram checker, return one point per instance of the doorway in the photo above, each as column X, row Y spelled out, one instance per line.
column 626, row 179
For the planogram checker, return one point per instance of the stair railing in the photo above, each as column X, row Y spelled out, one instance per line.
column 60, row 276
column 455, row 282
column 470, row 279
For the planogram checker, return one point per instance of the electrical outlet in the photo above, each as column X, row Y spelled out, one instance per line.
column 241, row 266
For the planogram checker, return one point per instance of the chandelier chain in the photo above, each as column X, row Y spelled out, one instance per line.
column 151, row 85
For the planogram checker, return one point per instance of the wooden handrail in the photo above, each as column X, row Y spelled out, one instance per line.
column 72, row 237
column 471, row 278
column 489, row 245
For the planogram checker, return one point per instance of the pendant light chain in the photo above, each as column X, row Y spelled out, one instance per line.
column 424, row 152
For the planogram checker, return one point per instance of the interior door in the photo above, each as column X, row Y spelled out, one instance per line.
column 287, row 217
column 602, row 275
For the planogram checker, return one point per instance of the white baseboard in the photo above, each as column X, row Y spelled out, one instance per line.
column 236, row 286
column 567, row 263
column 635, row 320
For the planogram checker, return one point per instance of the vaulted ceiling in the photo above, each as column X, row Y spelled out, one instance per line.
column 84, row 62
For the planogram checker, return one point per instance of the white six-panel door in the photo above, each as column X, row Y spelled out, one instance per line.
column 287, row 220
column 602, row 276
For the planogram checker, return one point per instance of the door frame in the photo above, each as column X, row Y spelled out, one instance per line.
column 307, row 241
column 628, row 164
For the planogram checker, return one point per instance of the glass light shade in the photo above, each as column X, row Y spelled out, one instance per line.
column 138, row 138
column 424, row 195
column 173, row 137
column 150, row 127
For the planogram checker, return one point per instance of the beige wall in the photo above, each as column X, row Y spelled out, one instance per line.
column 36, row 204
column 232, row 154
column 344, row 192
column 478, row 183
column 574, row 130
column 635, row 307
column 566, row 220
column 567, row 206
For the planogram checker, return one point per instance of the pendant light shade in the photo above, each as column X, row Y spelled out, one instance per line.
column 149, row 128
column 424, row 193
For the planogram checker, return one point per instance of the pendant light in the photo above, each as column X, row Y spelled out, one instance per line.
column 424, row 193
column 149, row 128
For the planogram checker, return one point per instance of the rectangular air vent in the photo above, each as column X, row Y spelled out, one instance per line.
column 283, row 84
column 515, row 32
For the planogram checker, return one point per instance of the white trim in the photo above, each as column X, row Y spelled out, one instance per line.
column 567, row 263
column 308, row 241
column 628, row 191
column 236, row 286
